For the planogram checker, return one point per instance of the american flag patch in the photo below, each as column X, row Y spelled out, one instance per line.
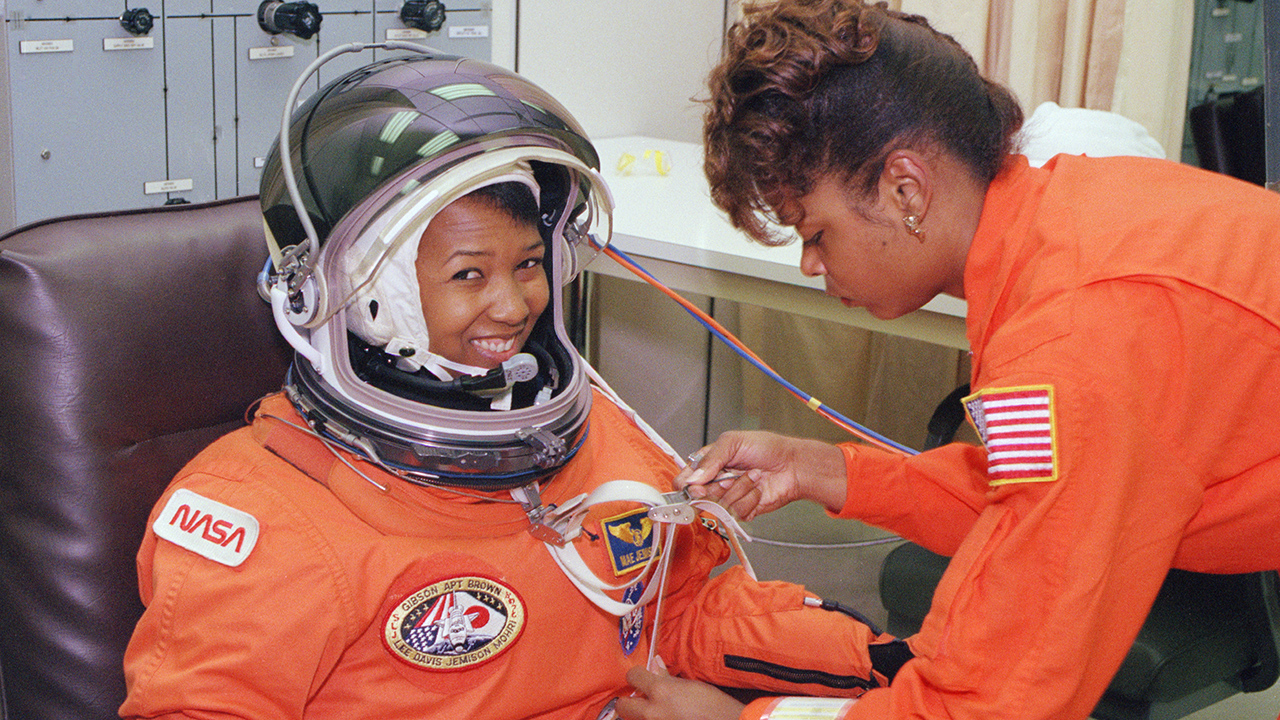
column 1016, row 426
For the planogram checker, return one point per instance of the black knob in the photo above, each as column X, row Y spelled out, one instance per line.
column 295, row 18
column 423, row 14
column 138, row 21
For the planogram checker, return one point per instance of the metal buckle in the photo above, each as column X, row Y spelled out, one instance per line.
column 675, row 509
column 544, row 523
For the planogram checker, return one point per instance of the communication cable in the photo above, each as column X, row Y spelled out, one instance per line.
column 718, row 331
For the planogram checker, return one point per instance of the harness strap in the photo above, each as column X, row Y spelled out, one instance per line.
column 666, row 511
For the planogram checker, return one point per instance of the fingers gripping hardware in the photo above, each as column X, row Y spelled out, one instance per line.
column 557, row 527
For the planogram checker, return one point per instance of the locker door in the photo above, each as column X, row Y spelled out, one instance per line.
column 354, row 23
column 87, row 115
column 266, row 67
column 193, row 131
column 63, row 9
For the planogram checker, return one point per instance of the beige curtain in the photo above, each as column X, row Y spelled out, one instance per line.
column 1126, row 57
column 1072, row 55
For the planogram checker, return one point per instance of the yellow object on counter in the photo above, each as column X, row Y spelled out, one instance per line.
column 652, row 162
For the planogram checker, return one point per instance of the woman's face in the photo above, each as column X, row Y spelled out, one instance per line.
column 865, row 253
column 482, row 283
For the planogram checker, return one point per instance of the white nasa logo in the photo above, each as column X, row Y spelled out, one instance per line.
column 454, row 624
column 207, row 527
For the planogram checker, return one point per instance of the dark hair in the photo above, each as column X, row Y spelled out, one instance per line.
column 514, row 199
column 811, row 87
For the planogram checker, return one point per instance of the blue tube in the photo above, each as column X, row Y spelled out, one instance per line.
column 821, row 408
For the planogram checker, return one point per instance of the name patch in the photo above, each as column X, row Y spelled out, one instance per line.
column 207, row 527
column 454, row 624
column 630, row 539
column 1017, row 427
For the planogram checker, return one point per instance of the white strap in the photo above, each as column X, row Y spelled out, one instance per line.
column 667, row 515
column 666, row 511
column 566, row 556
column 733, row 531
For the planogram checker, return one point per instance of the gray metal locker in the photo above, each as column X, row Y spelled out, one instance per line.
column 87, row 114
column 99, row 118
column 1227, row 55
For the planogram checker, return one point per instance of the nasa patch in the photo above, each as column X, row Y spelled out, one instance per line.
column 631, row 625
column 455, row 624
column 207, row 527
column 630, row 539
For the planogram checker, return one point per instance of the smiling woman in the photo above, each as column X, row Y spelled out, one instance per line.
column 481, row 276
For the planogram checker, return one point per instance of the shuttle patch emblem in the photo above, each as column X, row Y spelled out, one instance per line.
column 454, row 624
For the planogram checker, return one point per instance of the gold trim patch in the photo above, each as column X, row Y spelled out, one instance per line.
column 455, row 624
column 1017, row 427
column 630, row 540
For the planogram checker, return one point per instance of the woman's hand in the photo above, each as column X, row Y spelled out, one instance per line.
column 672, row 698
column 752, row 473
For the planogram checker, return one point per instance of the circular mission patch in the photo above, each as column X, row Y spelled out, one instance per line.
column 454, row 624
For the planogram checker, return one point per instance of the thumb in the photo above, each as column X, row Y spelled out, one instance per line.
column 641, row 679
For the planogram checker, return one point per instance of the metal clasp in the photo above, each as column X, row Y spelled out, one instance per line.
column 548, row 450
column 675, row 509
column 545, row 524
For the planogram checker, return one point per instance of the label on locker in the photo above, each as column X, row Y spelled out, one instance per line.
column 469, row 31
column 405, row 34
column 27, row 47
column 271, row 53
column 140, row 43
column 156, row 187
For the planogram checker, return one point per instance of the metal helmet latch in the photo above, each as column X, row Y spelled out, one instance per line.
column 548, row 450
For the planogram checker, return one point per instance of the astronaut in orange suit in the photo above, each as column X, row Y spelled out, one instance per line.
column 1123, row 316
column 425, row 522
column 1119, row 369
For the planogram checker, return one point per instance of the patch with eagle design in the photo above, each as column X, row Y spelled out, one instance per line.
column 630, row 538
column 454, row 624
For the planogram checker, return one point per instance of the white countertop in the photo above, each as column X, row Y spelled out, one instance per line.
column 671, row 218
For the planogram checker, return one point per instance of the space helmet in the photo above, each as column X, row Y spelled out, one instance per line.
column 372, row 157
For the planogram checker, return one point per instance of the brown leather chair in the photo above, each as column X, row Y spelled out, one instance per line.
column 128, row 342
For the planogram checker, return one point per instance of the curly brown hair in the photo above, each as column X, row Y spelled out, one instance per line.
column 808, row 88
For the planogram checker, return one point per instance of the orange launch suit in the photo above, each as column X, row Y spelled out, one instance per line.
column 1138, row 301
column 318, row 619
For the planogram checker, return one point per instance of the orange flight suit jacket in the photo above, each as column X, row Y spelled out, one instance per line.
column 1124, row 320
column 411, row 602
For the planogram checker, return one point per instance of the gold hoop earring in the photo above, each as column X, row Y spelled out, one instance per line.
column 913, row 226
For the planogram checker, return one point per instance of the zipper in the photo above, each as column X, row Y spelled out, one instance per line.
column 796, row 675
